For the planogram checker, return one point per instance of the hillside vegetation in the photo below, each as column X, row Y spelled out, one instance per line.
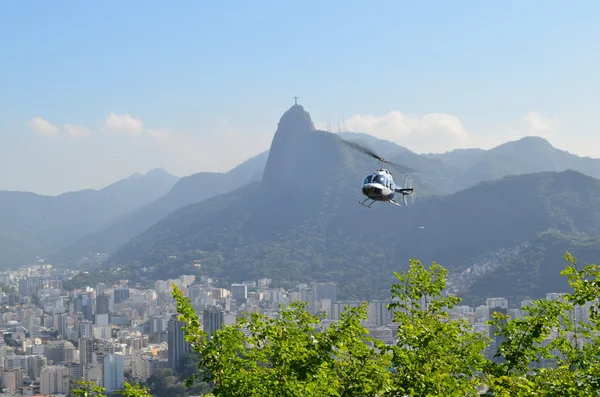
column 302, row 222
column 191, row 189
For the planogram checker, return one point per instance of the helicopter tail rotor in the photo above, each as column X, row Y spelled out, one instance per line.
column 408, row 190
column 413, row 195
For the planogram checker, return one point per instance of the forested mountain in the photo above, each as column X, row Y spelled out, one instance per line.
column 526, row 155
column 462, row 168
column 187, row 190
column 32, row 224
column 302, row 221
column 532, row 269
column 291, row 213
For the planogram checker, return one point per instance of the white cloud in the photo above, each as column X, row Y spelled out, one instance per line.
column 212, row 150
column 78, row 131
column 43, row 127
column 161, row 134
column 432, row 132
column 441, row 132
column 124, row 123
column 537, row 122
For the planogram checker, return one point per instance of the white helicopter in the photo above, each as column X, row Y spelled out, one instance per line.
column 380, row 185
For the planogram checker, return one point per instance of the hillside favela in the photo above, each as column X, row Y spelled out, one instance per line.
column 299, row 199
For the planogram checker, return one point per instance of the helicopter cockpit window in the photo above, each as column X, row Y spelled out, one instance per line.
column 380, row 179
column 368, row 179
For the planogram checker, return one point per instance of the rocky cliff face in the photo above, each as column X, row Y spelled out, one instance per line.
column 292, row 129
column 302, row 160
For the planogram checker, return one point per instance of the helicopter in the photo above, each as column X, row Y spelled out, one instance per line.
column 380, row 186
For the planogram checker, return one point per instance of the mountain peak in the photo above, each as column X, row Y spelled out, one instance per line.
column 158, row 172
column 289, row 145
column 527, row 143
column 297, row 119
column 534, row 140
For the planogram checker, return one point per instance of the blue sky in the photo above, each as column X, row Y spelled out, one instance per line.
column 95, row 91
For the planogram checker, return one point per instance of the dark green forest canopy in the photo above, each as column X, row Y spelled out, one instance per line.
column 326, row 237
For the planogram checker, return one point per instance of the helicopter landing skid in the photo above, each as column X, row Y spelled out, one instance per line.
column 395, row 203
column 364, row 201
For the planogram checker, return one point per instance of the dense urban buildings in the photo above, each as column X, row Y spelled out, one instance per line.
column 110, row 334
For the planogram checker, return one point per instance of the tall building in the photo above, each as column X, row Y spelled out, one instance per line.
column 60, row 351
column 54, row 380
column 63, row 324
column 325, row 291
column 85, row 329
column 100, row 288
column 177, row 345
column 113, row 372
column 102, row 304
column 497, row 302
column 212, row 320
column 121, row 294
column 86, row 351
column 239, row 292
column 35, row 364
column 12, row 379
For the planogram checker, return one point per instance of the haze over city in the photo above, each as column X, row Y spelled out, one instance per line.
column 93, row 93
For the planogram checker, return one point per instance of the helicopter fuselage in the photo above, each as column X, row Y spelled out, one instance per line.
column 379, row 186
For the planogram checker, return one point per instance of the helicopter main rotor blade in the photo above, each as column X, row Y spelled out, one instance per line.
column 402, row 168
column 363, row 149
column 370, row 152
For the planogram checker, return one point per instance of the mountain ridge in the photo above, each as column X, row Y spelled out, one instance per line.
column 228, row 238
column 189, row 189
column 303, row 222
column 33, row 225
column 294, row 179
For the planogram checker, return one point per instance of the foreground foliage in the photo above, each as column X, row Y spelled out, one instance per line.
column 300, row 354
column 548, row 351
column 91, row 389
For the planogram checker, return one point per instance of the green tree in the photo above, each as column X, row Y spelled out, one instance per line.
column 88, row 389
column 164, row 382
column 434, row 356
column 91, row 389
column 546, row 352
column 572, row 353
column 135, row 390
column 292, row 355
column 189, row 366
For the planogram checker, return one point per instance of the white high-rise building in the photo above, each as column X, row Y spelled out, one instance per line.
column 54, row 380
column 113, row 372
column 497, row 302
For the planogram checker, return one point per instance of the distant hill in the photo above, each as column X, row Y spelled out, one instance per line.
column 302, row 222
column 534, row 270
column 32, row 224
column 460, row 158
column 187, row 190
column 526, row 155
column 198, row 187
